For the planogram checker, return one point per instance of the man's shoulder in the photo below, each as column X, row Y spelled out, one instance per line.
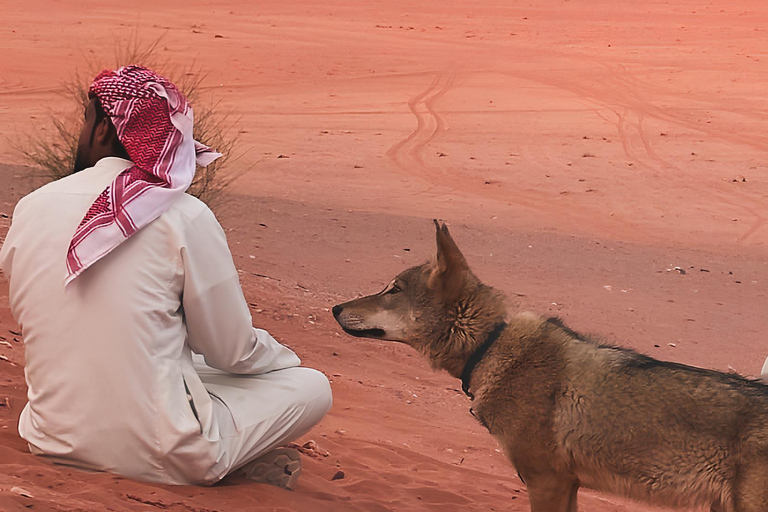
column 188, row 205
column 191, row 218
column 51, row 187
column 88, row 182
column 47, row 189
column 187, row 208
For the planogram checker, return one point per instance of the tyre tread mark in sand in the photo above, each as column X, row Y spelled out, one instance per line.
column 396, row 152
column 408, row 154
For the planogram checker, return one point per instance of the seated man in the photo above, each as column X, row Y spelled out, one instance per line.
column 140, row 354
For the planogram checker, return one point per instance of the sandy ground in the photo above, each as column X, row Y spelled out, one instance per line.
column 579, row 151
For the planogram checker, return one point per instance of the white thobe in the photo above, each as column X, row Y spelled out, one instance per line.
column 109, row 359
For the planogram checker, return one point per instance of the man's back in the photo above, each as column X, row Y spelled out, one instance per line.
column 107, row 363
column 117, row 277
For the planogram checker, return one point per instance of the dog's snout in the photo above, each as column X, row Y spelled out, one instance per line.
column 337, row 309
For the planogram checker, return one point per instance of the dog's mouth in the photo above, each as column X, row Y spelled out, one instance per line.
column 365, row 333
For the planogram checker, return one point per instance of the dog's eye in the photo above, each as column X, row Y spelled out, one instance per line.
column 393, row 289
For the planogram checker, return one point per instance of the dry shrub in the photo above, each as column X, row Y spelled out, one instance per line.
column 53, row 151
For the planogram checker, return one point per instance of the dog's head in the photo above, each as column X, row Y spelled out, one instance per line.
column 437, row 307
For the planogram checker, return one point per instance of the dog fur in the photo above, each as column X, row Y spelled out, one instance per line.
column 569, row 411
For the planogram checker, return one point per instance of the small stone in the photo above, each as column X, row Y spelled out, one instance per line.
column 338, row 476
column 311, row 449
column 21, row 492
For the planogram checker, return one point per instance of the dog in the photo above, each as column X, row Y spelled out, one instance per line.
column 570, row 412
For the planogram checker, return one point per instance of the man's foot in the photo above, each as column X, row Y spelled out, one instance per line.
column 280, row 467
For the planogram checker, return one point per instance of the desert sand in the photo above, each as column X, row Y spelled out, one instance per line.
column 579, row 151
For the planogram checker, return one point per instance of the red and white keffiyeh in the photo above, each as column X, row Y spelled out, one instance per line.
column 154, row 122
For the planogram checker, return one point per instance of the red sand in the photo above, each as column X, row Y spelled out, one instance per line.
column 578, row 153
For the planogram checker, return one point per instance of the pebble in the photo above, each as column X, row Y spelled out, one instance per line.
column 21, row 492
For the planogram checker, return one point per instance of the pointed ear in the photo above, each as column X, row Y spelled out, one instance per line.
column 449, row 257
column 451, row 271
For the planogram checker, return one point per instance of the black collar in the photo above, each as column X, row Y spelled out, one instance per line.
column 477, row 355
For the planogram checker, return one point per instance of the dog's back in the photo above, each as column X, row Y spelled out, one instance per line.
column 623, row 422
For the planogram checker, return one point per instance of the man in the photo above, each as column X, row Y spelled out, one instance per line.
column 140, row 354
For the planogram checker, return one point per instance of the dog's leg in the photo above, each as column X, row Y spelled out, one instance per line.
column 751, row 492
column 551, row 493
column 572, row 506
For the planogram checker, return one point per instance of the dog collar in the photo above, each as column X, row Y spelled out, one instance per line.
column 477, row 356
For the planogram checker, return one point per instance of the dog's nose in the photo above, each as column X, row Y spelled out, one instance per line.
column 337, row 309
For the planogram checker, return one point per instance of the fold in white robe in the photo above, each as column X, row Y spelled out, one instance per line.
column 109, row 359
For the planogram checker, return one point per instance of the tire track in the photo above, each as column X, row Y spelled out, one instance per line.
column 623, row 94
column 408, row 154
column 440, row 124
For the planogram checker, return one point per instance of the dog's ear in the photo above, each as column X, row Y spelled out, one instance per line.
column 452, row 268
column 449, row 257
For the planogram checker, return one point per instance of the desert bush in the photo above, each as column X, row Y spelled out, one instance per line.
column 53, row 151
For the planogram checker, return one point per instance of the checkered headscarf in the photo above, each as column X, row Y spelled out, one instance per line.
column 154, row 123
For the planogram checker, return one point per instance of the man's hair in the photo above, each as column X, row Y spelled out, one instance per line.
column 117, row 146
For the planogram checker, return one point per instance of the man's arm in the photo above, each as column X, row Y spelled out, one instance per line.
column 8, row 249
column 217, row 317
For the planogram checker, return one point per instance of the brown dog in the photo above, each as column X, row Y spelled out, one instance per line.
column 569, row 411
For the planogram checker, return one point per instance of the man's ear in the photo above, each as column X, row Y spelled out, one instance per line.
column 104, row 133
column 451, row 270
